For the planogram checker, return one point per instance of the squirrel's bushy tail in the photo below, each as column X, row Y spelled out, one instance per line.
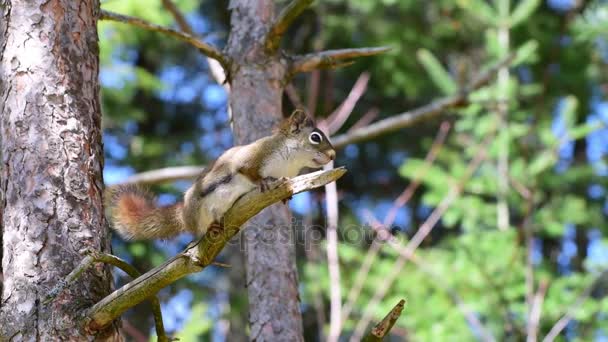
column 135, row 216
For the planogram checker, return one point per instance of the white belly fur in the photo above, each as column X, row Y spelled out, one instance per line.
column 219, row 201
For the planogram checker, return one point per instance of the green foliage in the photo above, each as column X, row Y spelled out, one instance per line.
column 438, row 74
column 438, row 47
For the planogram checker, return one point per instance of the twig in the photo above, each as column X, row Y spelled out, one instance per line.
column 424, row 230
column 313, row 91
column 331, row 58
column 529, row 274
column 384, row 327
column 179, row 17
column 216, row 69
column 470, row 316
column 283, row 21
column 437, row 282
column 365, row 120
column 293, row 96
column 563, row 322
column 428, row 161
column 133, row 332
column 96, row 256
column 402, row 200
column 534, row 315
column 335, row 313
column 201, row 253
column 411, row 117
column 339, row 116
column 203, row 47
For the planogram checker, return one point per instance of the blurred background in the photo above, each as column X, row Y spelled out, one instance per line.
column 510, row 186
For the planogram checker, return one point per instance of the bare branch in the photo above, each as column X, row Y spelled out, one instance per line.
column 424, row 230
column 203, row 47
column 383, row 234
column 339, row 116
column 333, row 262
column 411, row 117
column 365, row 120
column 535, row 311
column 384, row 327
column 283, row 21
column 167, row 174
column 563, row 322
column 293, row 96
column 331, row 58
column 201, row 253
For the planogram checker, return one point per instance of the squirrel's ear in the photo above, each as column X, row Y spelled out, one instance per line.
column 299, row 120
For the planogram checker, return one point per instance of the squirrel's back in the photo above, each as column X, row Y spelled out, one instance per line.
column 135, row 215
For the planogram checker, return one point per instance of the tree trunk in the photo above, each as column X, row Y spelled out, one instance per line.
column 51, row 171
column 255, row 101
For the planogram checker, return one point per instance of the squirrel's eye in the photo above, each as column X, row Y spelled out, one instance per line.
column 315, row 138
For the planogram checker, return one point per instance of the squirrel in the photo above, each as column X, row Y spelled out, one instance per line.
column 294, row 145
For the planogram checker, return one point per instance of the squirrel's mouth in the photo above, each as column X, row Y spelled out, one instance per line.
column 323, row 158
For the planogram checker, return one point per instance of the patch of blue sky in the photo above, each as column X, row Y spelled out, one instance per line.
column 131, row 127
column 380, row 209
column 568, row 250
column 602, row 47
column 351, row 151
column 199, row 24
column 113, row 148
column 537, row 251
column 214, row 96
column 207, row 121
column 186, row 148
column 118, row 75
column 525, row 74
column 116, row 174
column 597, row 250
column 596, row 191
column 179, row 88
column 301, row 203
column 167, row 199
column 597, row 141
column 177, row 310
column 560, row 130
column 397, row 158
column 562, row 5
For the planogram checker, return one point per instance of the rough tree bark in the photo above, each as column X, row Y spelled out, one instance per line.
column 255, row 99
column 51, row 170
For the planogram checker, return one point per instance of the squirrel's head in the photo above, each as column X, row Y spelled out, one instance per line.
column 313, row 146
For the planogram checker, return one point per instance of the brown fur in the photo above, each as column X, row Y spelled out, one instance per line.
column 134, row 212
column 135, row 216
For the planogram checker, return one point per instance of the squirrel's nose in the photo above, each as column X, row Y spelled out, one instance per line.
column 331, row 154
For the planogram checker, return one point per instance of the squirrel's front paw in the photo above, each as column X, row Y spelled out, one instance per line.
column 265, row 183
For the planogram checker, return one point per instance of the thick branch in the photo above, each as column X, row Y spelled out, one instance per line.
column 95, row 256
column 331, row 58
column 411, row 117
column 384, row 327
column 203, row 47
column 200, row 254
column 283, row 21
